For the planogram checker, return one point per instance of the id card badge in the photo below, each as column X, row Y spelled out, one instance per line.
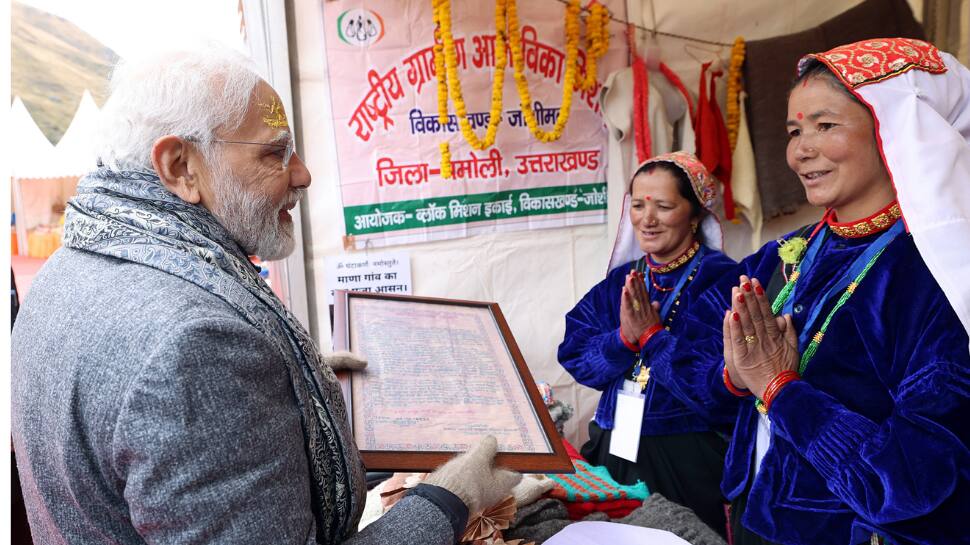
column 625, row 438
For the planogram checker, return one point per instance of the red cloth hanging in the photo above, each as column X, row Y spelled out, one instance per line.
column 713, row 146
column 641, row 99
column 641, row 109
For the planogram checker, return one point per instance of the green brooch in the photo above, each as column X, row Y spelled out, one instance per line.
column 791, row 250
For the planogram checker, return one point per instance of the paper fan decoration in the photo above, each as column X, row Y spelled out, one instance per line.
column 491, row 522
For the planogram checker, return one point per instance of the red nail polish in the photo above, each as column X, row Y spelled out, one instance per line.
column 740, row 297
column 759, row 290
column 736, row 317
column 747, row 286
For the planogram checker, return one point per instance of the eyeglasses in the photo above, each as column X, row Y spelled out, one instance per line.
column 287, row 147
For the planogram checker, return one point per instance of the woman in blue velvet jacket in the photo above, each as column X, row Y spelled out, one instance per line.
column 679, row 455
column 846, row 343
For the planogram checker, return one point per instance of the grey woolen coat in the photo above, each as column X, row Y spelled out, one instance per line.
column 146, row 410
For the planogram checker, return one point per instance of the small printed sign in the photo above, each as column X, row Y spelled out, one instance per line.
column 376, row 273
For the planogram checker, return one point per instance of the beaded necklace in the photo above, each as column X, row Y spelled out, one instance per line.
column 640, row 372
column 669, row 266
column 857, row 271
column 879, row 221
column 676, row 262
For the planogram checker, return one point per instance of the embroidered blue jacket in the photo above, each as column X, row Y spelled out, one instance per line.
column 874, row 438
column 594, row 355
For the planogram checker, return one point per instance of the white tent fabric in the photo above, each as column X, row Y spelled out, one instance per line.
column 31, row 154
column 74, row 153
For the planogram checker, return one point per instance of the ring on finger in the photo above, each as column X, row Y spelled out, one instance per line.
column 636, row 306
column 750, row 339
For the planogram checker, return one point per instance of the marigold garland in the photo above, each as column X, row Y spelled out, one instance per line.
column 506, row 15
column 597, row 42
column 446, row 66
column 439, row 66
column 569, row 79
column 445, row 160
column 734, row 92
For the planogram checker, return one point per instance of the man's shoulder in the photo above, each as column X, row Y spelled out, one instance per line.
column 110, row 323
column 111, row 287
column 98, row 314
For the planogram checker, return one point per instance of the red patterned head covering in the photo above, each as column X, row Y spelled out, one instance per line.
column 701, row 180
column 920, row 103
column 872, row 61
column 626, row 248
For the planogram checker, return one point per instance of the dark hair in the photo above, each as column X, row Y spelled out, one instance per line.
column 684, row 187
column 816, row 69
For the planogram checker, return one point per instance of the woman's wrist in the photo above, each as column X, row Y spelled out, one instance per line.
column 732, row 388
column 648, row 334
column 776, row 384
column 632, row 347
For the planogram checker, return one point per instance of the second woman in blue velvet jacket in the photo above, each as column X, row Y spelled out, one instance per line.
column 678, row 240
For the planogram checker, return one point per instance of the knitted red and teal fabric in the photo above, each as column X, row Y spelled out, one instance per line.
column 593, row 484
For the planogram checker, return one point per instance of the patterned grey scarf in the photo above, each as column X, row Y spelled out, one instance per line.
column 131, row 216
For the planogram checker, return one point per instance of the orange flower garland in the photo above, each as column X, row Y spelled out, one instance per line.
column 506, row 15
column 597, row 42
column 518, row 63
column 446, row 65
column 733, row 114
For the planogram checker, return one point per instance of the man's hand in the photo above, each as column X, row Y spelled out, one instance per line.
column 344, row 361
column 473, row 477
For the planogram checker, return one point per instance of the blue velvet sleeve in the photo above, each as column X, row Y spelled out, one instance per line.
column 691, row 363
column 907, row 464
column 592, row 351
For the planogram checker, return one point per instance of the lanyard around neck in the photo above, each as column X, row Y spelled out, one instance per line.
column 857, row 266
column 688, row 270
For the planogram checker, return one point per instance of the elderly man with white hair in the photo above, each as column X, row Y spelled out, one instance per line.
column 161, row 392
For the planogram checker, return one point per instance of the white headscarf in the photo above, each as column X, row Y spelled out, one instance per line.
column 920, row 100
column 626, row 248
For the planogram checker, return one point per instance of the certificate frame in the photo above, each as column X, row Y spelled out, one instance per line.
column 555, row 460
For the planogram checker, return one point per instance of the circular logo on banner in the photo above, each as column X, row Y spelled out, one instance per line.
column 361, row 27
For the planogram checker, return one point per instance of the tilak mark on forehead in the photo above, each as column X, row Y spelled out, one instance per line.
column 800, row 115
column 273, row 114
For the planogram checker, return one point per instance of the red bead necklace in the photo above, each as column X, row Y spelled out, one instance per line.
column 671, row 265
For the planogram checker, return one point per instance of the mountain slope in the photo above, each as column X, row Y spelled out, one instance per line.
column 52, row 62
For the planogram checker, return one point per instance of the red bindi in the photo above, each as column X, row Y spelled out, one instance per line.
column 648, row 197
column 799, row 116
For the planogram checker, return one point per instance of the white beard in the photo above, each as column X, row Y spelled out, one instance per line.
column 252, row 219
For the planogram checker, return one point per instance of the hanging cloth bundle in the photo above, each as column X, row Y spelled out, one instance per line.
column 713, row 146
column 641, row 97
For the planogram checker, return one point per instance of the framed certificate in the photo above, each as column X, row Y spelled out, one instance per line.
column 441, row 374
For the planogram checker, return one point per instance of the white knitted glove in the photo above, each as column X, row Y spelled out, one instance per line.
column 531, row 488
column 473, row 477
column 344, row 361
